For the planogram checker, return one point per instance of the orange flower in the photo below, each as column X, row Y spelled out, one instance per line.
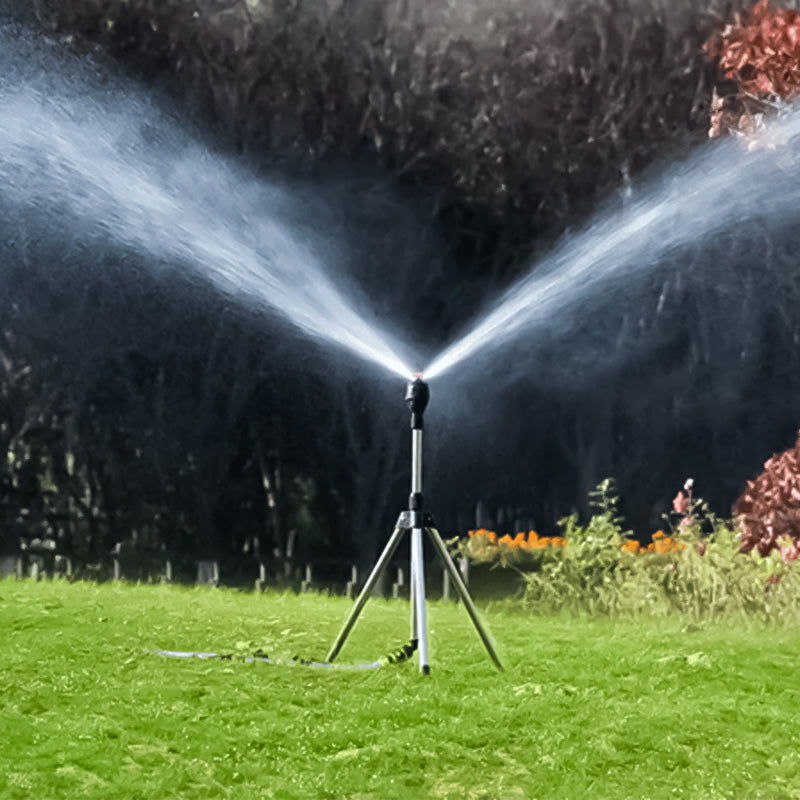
column 631, row 546
column 482, row 533
column 668, row 545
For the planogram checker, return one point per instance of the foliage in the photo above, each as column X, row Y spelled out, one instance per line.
column 581, row 573
column 768, row 510
column 758, row 55
column 89, row 712
column 135, row 446
column 700, row 571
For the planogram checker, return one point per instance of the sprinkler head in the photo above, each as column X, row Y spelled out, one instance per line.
column 417, row 396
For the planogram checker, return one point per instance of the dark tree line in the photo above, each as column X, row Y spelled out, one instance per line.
column 138, row 405
column 512, row 118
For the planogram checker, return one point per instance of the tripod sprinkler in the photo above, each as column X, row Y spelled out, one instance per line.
column 416, row 522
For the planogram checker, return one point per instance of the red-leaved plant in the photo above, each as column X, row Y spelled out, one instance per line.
column 759, row 58
column 769, row 509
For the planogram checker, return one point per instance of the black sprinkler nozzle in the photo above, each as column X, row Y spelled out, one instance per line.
column 417, row 396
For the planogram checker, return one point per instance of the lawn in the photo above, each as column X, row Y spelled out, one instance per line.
column 585, row 708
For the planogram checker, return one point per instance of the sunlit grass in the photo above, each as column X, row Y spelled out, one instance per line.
column 586, row 708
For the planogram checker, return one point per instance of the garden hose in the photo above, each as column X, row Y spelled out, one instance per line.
column 395, row 657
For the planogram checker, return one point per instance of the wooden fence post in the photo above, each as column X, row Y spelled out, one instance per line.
column 398, row 584
column 261, row 581
column 305, row 586
column 208, row 573
column 350, row 588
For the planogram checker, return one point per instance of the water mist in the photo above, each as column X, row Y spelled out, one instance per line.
column 104, row 155
column 721, row 184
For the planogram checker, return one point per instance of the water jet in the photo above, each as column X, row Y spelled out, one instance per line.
column 70, row 150
column 720, row 184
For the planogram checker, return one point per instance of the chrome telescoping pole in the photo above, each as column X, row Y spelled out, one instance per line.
column 417, row 395
column 417, row 561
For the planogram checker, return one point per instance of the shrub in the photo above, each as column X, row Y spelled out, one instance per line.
column 759, row 68
column 698, row 570
column 769, row 509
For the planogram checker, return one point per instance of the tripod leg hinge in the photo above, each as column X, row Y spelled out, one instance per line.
column 415, row 519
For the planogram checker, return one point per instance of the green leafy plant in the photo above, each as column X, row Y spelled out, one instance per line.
column 698, row 570
column 584, row 575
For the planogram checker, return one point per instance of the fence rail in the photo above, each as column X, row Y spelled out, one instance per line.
column 331, row 575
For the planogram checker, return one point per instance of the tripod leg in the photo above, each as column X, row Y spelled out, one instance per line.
column 362, row 598
column 419, row 600
column 411, row 595
column 447, row 561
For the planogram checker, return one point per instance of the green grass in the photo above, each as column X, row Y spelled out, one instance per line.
column 586, row 708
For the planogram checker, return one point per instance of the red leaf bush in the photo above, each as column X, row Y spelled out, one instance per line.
column 759, row 66
column 769, row 508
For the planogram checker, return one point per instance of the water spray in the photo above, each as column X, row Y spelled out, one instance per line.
column 416, row 521
column 169, row 198
column 694, row 199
